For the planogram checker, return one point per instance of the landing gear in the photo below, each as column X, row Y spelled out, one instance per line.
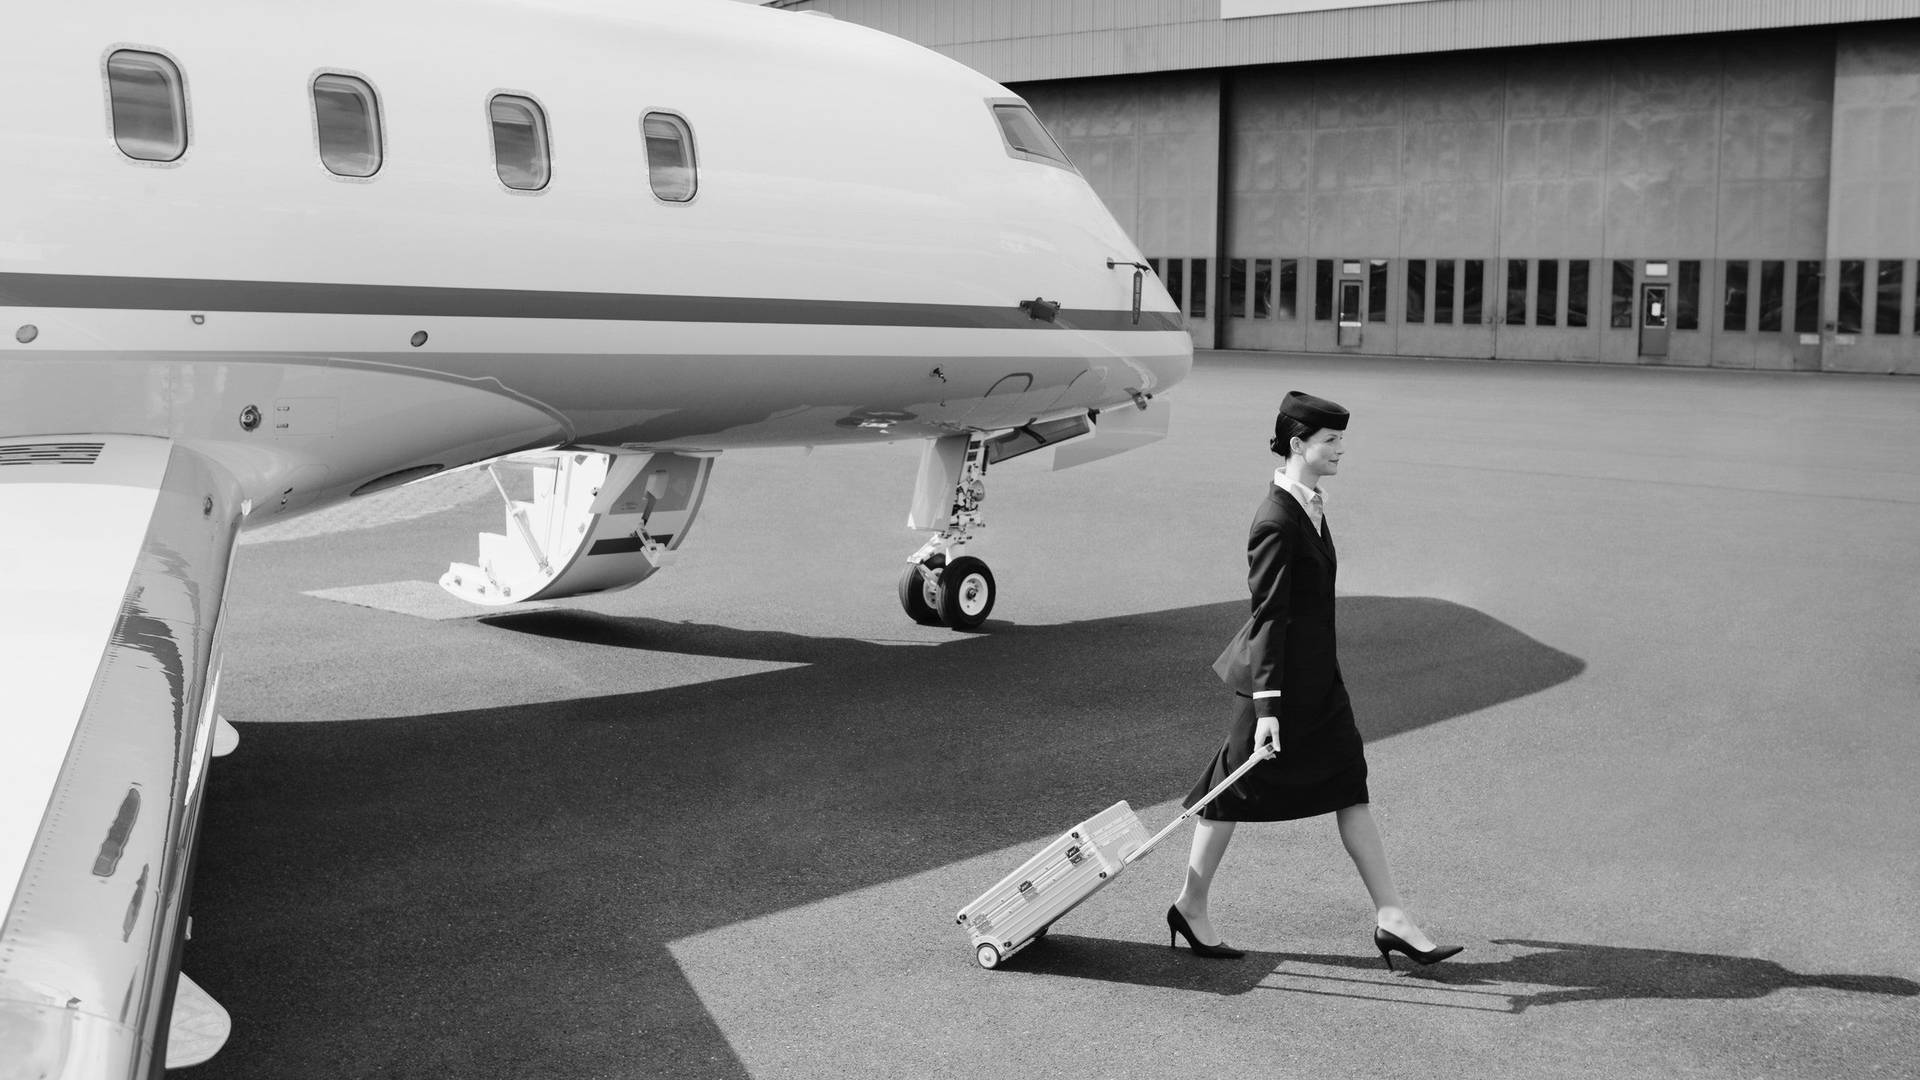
column 940, row 586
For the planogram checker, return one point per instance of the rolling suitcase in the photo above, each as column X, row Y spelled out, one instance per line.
column 1019, row 910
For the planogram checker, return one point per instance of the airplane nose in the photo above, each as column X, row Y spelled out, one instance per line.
column 1167, row 361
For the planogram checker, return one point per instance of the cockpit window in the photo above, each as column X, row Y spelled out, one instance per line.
column 1026, row 138
column 149, row 105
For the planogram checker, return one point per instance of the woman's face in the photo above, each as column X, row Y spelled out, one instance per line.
column 1322, row 451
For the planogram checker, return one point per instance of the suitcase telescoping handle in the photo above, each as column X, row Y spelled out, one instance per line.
column 1247, row 767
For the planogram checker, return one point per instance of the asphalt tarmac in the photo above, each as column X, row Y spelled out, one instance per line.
column 1636, row 653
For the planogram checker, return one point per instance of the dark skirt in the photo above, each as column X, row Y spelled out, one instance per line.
column 1320, row 768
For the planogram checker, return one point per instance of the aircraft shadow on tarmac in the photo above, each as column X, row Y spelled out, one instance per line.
column 1552, row 973
column 494, row 891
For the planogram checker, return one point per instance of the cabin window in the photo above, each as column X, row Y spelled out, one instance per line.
column 520, row 142
column 1026, row 138
column 149, row 102
column 670, row 164
column 346, row 119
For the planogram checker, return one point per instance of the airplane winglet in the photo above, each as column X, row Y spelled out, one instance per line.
column 225, row 736
column 199, row 1027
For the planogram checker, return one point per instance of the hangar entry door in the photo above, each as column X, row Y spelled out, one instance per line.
column 1349, row 313
column 1653, row 320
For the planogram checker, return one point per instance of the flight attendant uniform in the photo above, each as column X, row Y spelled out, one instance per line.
column 1283, row 663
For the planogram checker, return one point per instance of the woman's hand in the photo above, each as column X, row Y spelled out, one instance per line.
column 1266, row 736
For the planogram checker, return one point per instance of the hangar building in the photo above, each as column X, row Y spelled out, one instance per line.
column 1725, row 183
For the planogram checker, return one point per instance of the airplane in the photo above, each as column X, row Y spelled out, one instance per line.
column 259, row 259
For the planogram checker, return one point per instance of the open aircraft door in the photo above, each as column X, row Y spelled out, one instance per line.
column 581, row 521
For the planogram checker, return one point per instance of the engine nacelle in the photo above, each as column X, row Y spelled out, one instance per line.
column 581, row 521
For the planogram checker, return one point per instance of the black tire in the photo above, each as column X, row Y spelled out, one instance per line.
column 913, row 597
column 967, row 593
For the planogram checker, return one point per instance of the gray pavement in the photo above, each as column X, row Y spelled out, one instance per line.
column 1636, row 651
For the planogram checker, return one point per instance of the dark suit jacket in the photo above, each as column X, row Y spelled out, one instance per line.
column 1288, row 643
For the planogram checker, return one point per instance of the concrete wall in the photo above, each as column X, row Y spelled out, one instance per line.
column 1874, row 215
column 1718, row 158
column 1151, row 147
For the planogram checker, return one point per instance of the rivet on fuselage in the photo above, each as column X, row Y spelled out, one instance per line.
column 26, row 333
column 419, row 338
column 199, row 320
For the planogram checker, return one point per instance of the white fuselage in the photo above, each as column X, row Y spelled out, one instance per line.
column 858, row 224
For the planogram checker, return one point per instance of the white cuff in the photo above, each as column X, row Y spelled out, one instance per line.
column 1259, row 694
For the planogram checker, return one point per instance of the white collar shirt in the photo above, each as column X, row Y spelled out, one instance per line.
column 1312, row 500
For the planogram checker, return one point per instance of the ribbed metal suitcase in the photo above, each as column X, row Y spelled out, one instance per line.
column 1018, row 910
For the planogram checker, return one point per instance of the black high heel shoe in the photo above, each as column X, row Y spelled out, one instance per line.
column 1177, row 928
column 1389, row 942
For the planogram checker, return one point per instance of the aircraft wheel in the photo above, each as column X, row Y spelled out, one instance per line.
column 988, row 956
column 967, row 593
column 913, row 596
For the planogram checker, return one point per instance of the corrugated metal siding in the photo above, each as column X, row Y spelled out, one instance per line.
column 1032, row 40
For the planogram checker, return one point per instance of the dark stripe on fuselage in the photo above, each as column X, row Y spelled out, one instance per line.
column 311, row 298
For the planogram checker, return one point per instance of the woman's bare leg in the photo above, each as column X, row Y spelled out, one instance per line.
column 1362, row 839
column 1209, row 844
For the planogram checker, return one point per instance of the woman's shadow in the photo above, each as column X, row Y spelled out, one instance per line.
column 1550, row 973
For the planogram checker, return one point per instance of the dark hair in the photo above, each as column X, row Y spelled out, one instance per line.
column 1285, row 430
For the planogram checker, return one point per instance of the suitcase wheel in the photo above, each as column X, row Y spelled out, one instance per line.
column 988, row 956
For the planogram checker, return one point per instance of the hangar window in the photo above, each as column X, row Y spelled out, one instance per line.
column 1735, row 314
column 671, row 170
column 1808, row 277
column 1473, row 275
column 1578, row 287
column 1197, row 303
column 1025, row 137
column 1621, row 317
column 149, row 101
column 1686, row 302
column 1886, row 309
column 1516, row 292
column 1546, row 305
column 1443, row 291
column 1377, row 290
column 1237, row 288
column 1289, row 288
column 1263, row 288
column 520, row 155
column 1177, row 282
column 1323, row 289
column 346, row 120
column 1853, row 278
column 1773, row 292
column 1416, row 290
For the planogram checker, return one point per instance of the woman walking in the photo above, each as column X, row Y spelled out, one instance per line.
column 1290, row 699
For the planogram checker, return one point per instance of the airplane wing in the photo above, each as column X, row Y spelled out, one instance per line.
column 114, row 552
